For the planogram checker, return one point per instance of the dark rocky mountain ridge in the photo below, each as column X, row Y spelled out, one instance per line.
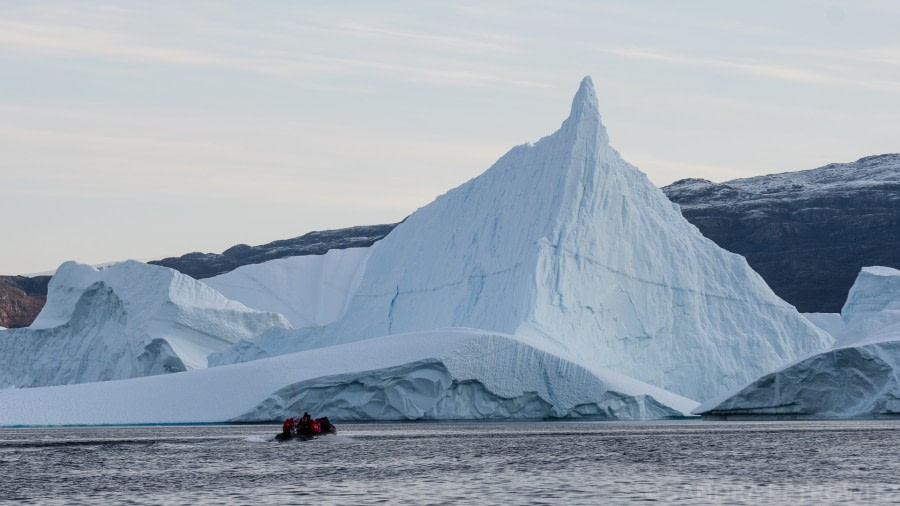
column 207, row 265
column 807, row 233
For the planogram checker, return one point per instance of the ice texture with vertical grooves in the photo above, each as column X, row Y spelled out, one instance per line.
column 859, row 377
column 462, row 374
column 565, row 244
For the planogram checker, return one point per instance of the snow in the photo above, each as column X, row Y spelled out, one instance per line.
column 442, row 374
column 131, row 319
column 308, row 290
column 832, row 323
column 566, row 285
column 565, row 245
column 872, row 311
column 834, row 179
column 858, row 377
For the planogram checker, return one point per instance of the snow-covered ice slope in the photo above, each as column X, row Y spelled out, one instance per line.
column 444, row 374
column 860, row 376
column 563, row 242
column 308, row 290
column 829, row 322
column 872, row 310
column 131, row 319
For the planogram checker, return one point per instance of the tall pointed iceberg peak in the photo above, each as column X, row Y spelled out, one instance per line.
column 585, row 113
column 571, row 249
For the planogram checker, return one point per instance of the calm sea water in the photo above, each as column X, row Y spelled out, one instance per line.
column 520, row 463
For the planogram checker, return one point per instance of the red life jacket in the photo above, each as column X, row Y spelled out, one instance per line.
column 315, row 426
column 287, row 425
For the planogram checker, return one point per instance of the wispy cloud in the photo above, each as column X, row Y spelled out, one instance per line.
column 666, row 171
column 111, row 152
column 91, row 43
column 885, row 55
column 773, row 71
column 495, row 43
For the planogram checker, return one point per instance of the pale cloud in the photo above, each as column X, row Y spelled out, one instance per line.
column 416, row 73
column 664, row 171
column 91, row 43
column 143, row 154
column 494, row 43
column 886, row 55
column 255, row 122
column 781, row 72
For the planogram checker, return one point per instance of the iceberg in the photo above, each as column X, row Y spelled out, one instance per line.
column 564, row 245
column 828, row 322
column 128, row 320
column 858, row 377
column 447, row 374
column 559, row 284
column 310, row 290
column 872, row 310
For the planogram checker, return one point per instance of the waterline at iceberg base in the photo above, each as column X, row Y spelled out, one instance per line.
column 448, row 374
column 575, row 290
column 858, row 378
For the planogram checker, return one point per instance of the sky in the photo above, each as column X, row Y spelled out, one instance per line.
column 152, row 129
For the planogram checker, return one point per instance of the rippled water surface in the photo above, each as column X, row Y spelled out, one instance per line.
column 527, row 463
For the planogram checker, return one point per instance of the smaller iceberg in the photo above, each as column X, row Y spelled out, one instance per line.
column 125, row 321
column 858, row 377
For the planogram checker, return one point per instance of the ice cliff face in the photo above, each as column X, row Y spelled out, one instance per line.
column 565, row 245
column 445, row 374
column 129, row 320
column 858, row 377
column 308, row 290
column 872, row 310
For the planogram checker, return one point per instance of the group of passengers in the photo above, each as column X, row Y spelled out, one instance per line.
column 306, row 426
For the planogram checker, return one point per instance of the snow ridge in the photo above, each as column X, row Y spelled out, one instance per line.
column 868, row 172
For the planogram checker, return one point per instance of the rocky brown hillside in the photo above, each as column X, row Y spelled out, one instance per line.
column 21, row 299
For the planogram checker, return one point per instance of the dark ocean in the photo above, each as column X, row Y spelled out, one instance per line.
column 686, row 462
